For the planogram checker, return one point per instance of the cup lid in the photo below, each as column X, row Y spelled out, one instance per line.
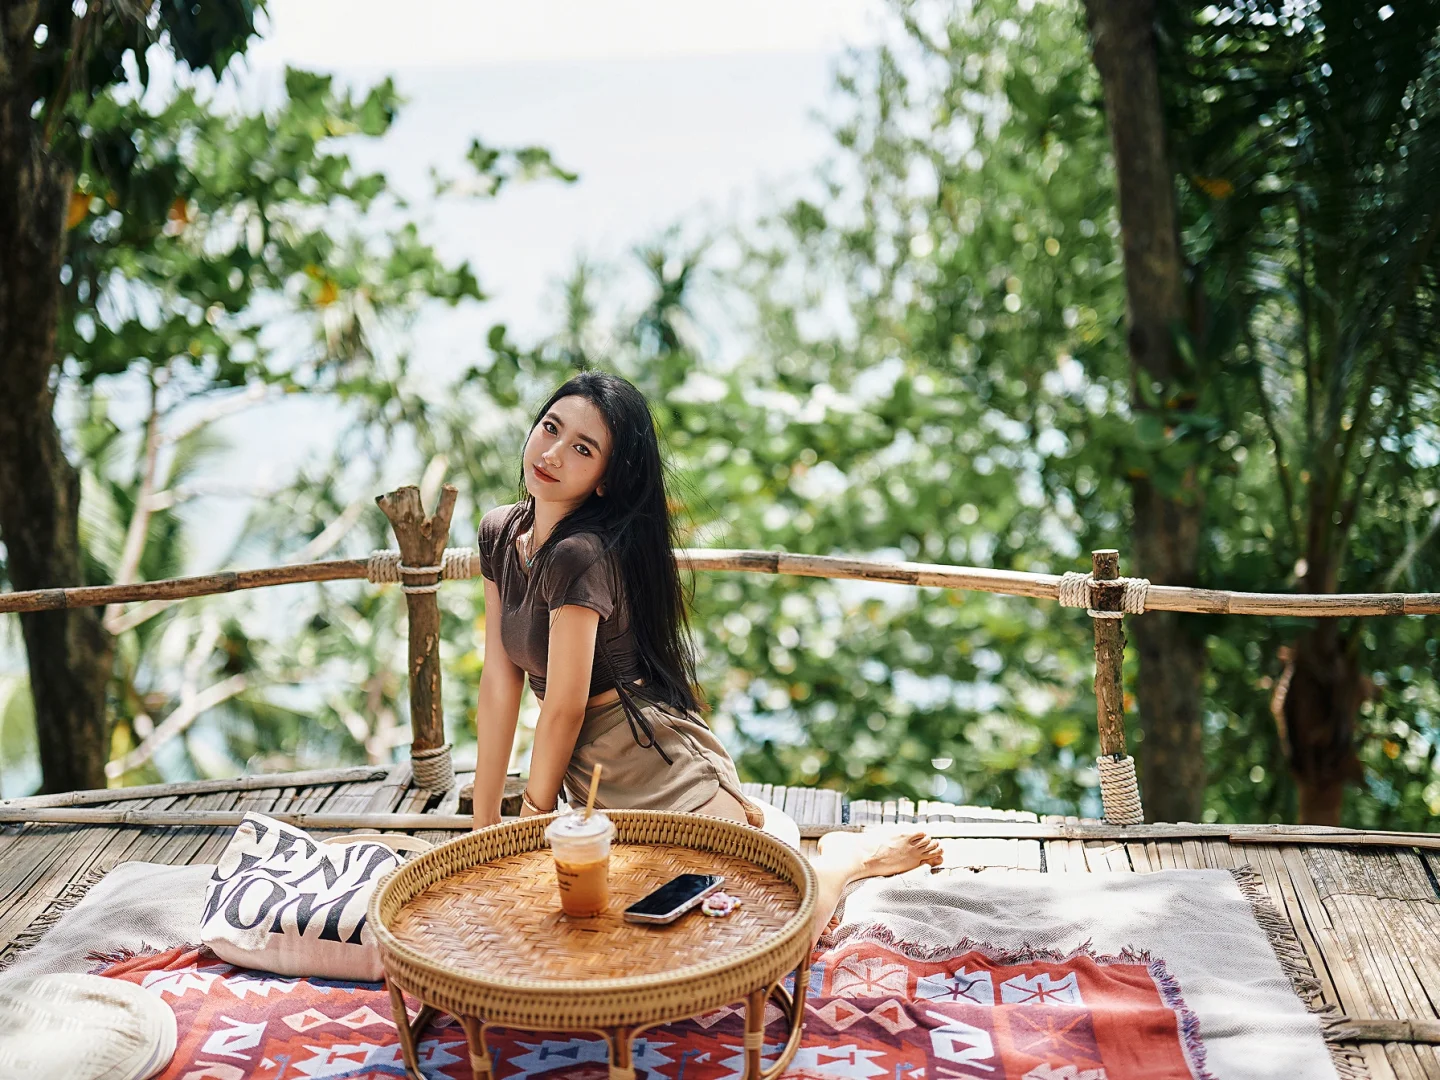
column 573, row 826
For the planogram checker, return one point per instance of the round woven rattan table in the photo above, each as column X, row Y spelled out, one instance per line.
column 473, row 928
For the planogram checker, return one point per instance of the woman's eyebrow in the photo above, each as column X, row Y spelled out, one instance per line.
column 581, row 436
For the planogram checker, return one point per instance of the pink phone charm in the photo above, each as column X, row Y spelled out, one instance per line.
column 718, row 904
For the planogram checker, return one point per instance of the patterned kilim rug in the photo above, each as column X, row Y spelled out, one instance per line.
column 905, row 990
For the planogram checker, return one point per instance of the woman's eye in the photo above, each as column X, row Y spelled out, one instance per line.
column 548, row 426
column 583, row 449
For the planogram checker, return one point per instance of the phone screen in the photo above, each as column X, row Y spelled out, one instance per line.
column 673, row 894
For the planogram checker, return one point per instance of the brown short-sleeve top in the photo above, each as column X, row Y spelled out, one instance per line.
column 578, row 571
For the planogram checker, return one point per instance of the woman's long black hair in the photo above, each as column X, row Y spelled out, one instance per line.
column 633, row 519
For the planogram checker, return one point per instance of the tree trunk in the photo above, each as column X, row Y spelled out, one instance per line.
column 70, row 655
column 1172, row 662
column 1325, row 691
column 1166, row 522
column 1320, row 693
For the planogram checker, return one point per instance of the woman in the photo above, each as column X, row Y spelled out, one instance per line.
column 582, row 575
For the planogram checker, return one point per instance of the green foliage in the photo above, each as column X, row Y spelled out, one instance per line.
column 1307, row 140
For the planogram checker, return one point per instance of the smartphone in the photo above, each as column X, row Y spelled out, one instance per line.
column 673, row 899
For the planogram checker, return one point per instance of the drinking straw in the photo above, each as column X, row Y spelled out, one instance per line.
column 594, row 787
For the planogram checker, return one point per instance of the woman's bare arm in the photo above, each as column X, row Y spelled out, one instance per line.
column 567, row 688
column 501, row 682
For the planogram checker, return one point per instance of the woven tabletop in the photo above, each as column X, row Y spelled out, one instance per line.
column 474, row 927
column 502, row 919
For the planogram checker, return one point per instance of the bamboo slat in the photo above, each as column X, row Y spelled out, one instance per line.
column 1139, row 858
column 196, row 787
column 1351, row 1029
column 1362, row 904
column 1106, row 856
column 862, row 813
column 59, row 867
column 1282, row 893
column 1353, row 995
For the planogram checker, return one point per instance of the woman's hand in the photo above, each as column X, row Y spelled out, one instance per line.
column 485, row 821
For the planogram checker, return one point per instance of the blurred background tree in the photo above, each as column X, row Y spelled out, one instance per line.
column 934, row 367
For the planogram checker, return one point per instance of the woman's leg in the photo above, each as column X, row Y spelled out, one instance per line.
column 847, row 857
column 725, row 805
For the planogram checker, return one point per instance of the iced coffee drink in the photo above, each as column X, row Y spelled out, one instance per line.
column 582, row 861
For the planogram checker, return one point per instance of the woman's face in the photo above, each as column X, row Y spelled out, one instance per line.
column 566, row 453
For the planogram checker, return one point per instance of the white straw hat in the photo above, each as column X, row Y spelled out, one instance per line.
column 83, row 1027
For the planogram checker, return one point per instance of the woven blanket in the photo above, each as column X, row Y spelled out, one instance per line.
column 136, row 907
column 1198, row 933
column 889, row 998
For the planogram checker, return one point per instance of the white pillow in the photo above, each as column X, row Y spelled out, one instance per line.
column 281, row 901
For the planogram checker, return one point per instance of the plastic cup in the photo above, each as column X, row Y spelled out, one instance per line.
column 582, row 861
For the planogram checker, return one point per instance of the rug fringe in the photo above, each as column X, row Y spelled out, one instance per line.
column 100, row 960
column 1349, row 1062
column 69, row 896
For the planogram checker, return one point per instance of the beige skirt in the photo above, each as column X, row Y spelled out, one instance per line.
column 636, row 777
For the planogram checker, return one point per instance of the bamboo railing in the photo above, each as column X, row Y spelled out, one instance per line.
column 422, row 541
column 931, row 575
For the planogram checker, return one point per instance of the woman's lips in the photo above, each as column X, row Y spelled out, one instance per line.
column 543, row 475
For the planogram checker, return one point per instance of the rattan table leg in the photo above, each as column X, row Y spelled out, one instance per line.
column 755, row 1032
column 793, row 1006
column 479, row 1052
column 622, row 1061
column 409, row 1034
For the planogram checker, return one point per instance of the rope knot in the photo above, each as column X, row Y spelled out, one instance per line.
column 1075, row 592
column 386, row 568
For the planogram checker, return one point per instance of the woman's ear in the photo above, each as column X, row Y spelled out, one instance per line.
column 600, row 491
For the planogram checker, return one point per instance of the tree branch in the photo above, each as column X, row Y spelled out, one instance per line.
column 55, row 107
column 1402, row 565
column 1287, row 488
column 135, row 532
column 254, row 394
column 1306, row 349
column 177, row 722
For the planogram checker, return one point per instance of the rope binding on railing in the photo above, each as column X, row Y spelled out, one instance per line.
column 1075, row 592
column 1119, row 793
column 385, row 568
column 433, row 770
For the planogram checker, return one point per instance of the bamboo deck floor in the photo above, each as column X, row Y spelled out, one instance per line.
column 1367, row 917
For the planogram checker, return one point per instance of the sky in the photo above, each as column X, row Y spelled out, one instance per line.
column 696, row 111
column 442, row 33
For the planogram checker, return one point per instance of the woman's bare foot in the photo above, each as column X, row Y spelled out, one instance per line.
column 848, row 857
column 879, row 854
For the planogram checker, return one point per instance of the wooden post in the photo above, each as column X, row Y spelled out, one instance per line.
column 1109, row 651
column 1119, row 793
column 422, row 544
